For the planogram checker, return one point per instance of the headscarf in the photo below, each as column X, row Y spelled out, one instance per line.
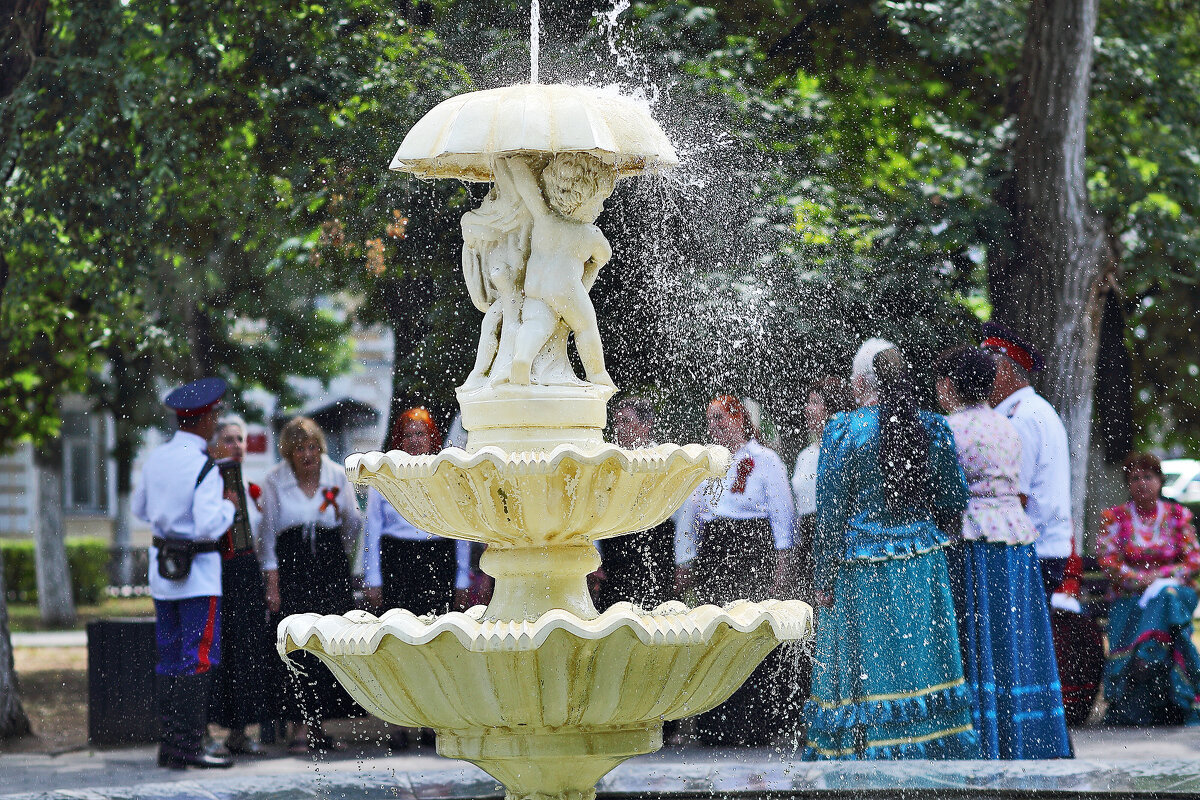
column 421, row 415
column 864, row 359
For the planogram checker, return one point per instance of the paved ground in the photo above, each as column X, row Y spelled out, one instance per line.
column 50, row 639
column 1106, row 760
column 89, row 769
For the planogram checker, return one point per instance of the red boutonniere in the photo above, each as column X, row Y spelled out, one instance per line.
column 330, row 496
column 255, row 492
column 744, row 468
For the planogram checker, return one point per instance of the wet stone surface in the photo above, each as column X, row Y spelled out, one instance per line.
column 683, row 773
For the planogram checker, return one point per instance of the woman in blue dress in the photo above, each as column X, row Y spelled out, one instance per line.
column 888, row 679
column 1007, row 645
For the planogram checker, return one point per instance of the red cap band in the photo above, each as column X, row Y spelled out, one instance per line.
column 1017, row 354
column 196, row 412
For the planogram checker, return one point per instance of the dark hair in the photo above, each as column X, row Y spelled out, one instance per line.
column 903, row 439
column 641, row 407
column 836, row 393
column 971, row 370
column 1147, row 462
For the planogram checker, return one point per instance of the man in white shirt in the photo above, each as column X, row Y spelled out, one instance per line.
column 184, row 499
column 1045, row 457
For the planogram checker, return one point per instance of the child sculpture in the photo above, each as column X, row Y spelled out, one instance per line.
column 566, row 251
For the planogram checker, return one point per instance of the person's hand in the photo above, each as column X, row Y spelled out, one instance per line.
column 374, row 596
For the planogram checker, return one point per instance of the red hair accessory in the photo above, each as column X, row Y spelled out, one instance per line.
column 1014, row 351
column 744, row 468
column 255, row 491
column 420, row 415
column 330, row 499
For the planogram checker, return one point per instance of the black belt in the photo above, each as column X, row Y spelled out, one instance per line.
column 195, row 547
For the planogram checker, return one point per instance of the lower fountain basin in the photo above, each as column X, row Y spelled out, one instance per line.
column 547, row 706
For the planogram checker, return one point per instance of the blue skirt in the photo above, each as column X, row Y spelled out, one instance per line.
column 1153, row 672
column 1008, row 651
column 888, row 680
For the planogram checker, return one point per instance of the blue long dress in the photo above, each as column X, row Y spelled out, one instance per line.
column 888, row 680
column 996, row 581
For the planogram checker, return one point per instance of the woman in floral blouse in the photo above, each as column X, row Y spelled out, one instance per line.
column 1148, row 547
column 1003, row 621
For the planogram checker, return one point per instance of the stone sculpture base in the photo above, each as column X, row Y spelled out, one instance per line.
column 534, row 418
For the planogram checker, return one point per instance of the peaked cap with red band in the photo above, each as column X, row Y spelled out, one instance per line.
column 196, row 398
column 1002, row 340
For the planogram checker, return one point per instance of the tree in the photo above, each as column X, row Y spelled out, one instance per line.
column 1045, row 275
column 22, row 29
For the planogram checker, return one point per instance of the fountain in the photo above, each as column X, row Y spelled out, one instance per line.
column 538, row 688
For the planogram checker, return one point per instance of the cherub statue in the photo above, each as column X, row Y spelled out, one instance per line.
column 566, row 252
column 495, row 248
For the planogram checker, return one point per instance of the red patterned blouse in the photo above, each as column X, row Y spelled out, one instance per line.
column 1136, row 550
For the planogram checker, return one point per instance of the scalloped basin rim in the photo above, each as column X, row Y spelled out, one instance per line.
column 644, row 459
column 360, row 633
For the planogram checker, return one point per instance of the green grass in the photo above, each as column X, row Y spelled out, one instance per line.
column 24, row 617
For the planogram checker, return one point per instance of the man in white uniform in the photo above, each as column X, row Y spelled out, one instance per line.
column 1045, row 457
column 184, row 499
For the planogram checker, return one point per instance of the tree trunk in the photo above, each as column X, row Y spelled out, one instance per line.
column 1044, row 279
column 55, row 602
column 123, row 452
column 13, row 721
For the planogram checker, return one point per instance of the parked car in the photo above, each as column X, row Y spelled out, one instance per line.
column 1181, row 480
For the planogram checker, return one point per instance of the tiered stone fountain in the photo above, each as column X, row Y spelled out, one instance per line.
column 539, row 689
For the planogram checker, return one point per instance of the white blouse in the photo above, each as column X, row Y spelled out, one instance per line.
column 804, row 479
column 763, row 493
column 384, row 520
column 285, row 506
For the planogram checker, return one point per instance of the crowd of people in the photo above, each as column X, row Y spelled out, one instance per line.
column 932, row 547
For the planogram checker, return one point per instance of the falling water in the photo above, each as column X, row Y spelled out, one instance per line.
column 535, row 25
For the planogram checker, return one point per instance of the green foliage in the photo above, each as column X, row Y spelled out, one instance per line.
column 1143, row 165
column 87, row 559
column 199, row 187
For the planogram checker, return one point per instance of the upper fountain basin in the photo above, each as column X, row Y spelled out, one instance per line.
column 462, row 136
column 567, row 496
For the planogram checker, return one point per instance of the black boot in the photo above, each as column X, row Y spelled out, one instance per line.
column 190, row 709
column 168, row 722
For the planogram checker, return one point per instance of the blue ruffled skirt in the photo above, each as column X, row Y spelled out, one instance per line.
column 1008, row 651
column 1153, row 672
column 888, row 680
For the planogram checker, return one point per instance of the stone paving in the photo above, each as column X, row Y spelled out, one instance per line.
column 1110, row 763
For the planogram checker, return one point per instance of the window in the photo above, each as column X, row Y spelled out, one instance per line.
column 85, row 487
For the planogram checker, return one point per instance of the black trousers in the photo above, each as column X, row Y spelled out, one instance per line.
column 1052, row 574
column 418, row 575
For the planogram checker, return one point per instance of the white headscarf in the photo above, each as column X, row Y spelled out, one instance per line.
column 864, row 359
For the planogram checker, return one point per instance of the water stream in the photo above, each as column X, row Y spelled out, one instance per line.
column 535, row 29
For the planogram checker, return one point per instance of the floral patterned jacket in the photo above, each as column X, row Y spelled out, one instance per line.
column 1137, row 552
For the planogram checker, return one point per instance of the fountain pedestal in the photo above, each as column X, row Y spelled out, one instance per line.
column 539, row 689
